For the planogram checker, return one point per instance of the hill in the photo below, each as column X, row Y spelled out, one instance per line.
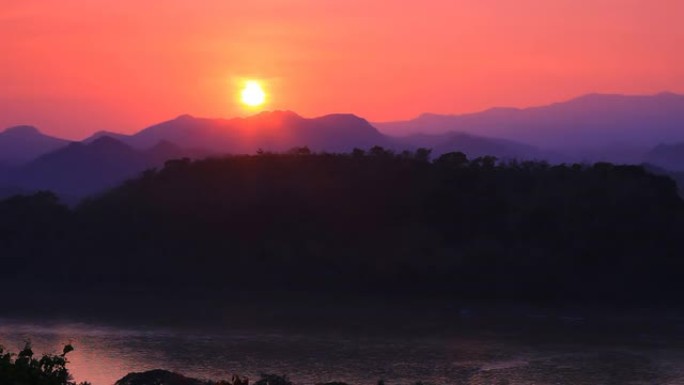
column 619, row 128
column 100, row 134
column 82, row 169
column 21, row 144
column 282, row 130
column 363, row 222
column 105, row 159
column 268, row 131
column 668, row 156
column 471, row 145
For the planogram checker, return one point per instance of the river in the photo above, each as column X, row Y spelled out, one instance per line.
column 468, row 346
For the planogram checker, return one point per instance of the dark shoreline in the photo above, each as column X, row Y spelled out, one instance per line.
column 325, row 314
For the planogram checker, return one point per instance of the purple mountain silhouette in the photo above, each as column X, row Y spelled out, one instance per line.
column 101, row 134
column 667, row 156
column 106, row 159
column 80, row 169
column 594, row 127
column 283, row 130
column 273, row 131
column 473, row 146
column 594, row 121
column 21, row 144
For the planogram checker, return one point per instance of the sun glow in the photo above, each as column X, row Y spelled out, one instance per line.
column 252, row 94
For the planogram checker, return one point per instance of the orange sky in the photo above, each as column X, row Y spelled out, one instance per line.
column 72, row 67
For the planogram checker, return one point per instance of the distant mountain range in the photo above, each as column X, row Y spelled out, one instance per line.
column 272, row 131
column 592, row 127
column 81, row 169
column 23, row 143
column 472, row 145
column 621, row 129
column 667, row 156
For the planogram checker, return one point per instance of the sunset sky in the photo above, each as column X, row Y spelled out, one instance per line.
column 72, row 67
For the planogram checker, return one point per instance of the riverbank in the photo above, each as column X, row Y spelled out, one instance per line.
column 323, row 340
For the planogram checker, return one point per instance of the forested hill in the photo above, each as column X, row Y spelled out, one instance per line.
column 364, row 221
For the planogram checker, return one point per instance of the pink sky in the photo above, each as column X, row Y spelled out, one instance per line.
column 72, row 67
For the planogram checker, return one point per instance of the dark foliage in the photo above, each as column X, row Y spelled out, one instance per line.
column 273, row 379
column 365, row 221
column 160, row 377
column 164, row 377
column 23, row 369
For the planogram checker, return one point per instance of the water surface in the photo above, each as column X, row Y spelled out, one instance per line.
column 533, row 347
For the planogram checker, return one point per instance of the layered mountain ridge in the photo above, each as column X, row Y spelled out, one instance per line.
column 595, row 127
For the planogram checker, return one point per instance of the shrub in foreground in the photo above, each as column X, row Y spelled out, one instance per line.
column 24, row 369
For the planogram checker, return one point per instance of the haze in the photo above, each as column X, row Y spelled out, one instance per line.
column 77, row 66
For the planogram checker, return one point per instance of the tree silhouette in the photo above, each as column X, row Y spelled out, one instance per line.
column 366, row 221
column 24, row 369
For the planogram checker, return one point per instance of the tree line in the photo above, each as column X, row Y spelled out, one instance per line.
column 366, row 221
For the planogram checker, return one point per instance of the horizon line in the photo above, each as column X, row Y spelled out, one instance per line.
column 372, row 122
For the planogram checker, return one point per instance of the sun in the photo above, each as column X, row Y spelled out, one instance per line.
column 252, row 94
